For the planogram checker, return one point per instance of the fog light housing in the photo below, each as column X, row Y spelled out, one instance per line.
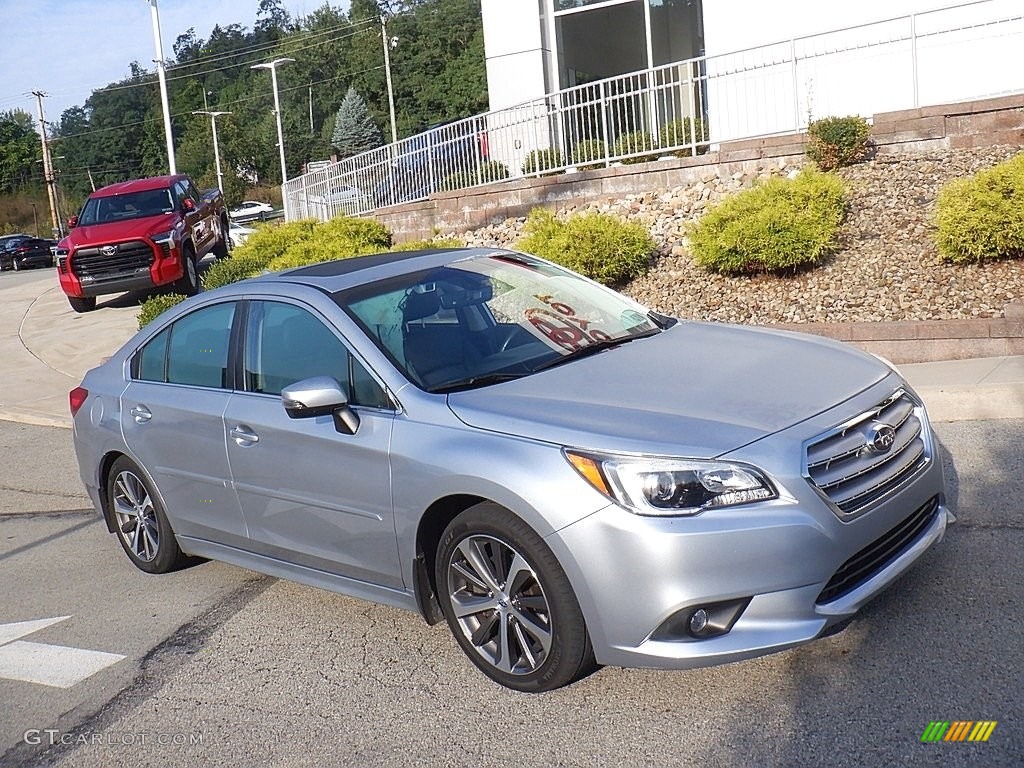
column 701, row 622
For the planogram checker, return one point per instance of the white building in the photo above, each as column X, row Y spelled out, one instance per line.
column 753, row 67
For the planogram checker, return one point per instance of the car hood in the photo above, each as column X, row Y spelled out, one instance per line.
column 698, row 390
column 83, row 236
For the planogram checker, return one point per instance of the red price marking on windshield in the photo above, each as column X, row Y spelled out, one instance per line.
column 562, row 325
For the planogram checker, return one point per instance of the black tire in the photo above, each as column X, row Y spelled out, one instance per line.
column 139, row 520
column 15, row 266
column 82, row 304
column 188, row 283
column 222, row 249
column 527, row 632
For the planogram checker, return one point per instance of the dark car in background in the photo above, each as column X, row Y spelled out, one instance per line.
column 23, row 251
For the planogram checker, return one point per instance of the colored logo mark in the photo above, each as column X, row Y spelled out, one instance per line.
column 958, row 730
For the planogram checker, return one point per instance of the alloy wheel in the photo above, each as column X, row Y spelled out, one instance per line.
column 136, row 517
column 499, row 604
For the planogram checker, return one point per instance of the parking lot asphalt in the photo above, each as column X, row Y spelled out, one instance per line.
column 46, row 348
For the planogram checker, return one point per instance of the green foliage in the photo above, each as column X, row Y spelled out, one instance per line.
column 490, row 170
column 157, row 305
column 540, row 160
column 231, row 270
column 682, row 131
column 598, row 245
column 19, row 149
column 982, row 217
column 589, row 154
column 426, row 245
column 354, row 129
column 779, row 225
column 638, row 141
column 834, row 142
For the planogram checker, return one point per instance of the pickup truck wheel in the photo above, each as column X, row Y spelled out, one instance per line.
column 83, row 304
column 15, row 265
column 223, row 247
column 188, row 284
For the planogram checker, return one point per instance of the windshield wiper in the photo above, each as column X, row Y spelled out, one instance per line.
column 593, row 348
column 471, row 382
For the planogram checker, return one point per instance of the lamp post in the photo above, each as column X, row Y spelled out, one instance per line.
column 163, row 86
column 216, row 149
column 389, row 43
column 272, row 66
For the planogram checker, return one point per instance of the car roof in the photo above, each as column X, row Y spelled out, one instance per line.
column 137, row 185
column 333, row 276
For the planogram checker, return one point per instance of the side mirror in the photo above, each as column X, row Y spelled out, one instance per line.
column 72, row 222
column 188, row 205
column 320, row 396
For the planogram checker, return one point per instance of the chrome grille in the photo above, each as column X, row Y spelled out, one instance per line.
column 130, row 256
column 879, row 553
column 852, row 470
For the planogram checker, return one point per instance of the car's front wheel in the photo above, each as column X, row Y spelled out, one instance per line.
column 188, row 283
column 82, row 303
column 509, row 603
column 139, row 519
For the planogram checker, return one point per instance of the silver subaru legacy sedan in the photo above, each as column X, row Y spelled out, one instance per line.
column 564, row 476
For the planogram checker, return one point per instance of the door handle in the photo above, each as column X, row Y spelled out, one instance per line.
column 141, row 414
column 244, row 435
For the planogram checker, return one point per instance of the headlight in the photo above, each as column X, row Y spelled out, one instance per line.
column 649, row 486
column 165, row 240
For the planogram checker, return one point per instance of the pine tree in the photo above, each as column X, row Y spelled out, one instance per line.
column 354, row 128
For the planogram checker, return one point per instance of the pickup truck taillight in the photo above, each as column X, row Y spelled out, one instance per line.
column 76, row 399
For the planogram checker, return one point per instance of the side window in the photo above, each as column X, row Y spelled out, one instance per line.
column 151, row 358
column 286, row 344
column 198, row 349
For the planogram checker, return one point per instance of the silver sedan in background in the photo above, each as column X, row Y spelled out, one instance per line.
column 565, row 477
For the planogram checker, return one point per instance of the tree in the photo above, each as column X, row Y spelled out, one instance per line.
column 19, row 149
column 354, row 129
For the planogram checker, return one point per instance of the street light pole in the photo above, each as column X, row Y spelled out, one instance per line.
column 216, row 148
column 272, row 66
column 388, row 45
column 163, row 86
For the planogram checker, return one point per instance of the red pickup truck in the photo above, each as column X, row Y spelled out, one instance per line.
column 138, row 235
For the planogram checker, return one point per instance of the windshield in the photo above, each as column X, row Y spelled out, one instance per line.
column 490, row 318
column 134, row 205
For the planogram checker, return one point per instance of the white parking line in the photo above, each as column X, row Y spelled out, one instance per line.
column 57, row 666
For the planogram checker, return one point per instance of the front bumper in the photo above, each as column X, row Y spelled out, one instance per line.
column 636, row 576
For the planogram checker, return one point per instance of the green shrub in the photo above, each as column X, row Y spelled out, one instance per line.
column 540, row 160
column 426, row 245
column 157, row 305
column 639, row 141
column 982, row 217
column 587, row 152
column 834, row 142
column 490, row 170
column 238, row 267
column 681, row 131
column 779, row 225
column 598, row 245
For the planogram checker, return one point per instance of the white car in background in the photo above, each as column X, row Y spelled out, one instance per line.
column 238, row 234
column 250, row 209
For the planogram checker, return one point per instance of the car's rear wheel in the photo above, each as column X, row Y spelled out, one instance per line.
column 15, row 265
column 188, row 283
column 139, row 520
column 223, row 247
column 82, row 303
column 508, row 602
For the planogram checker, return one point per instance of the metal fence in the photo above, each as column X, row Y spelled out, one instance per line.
column 955, row 53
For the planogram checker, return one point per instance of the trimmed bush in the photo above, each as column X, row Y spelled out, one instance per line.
column 834, row 142
column 491, row 170
column 540, row 160
column 681, row 131
column 598, row 245
column 628, row 143
column 157, row 305
column 778, row 226
column 982, row 217
column 239, row 267
column 589, row 154
column 426, row 245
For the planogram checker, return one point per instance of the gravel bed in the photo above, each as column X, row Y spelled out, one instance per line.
column 886, row 268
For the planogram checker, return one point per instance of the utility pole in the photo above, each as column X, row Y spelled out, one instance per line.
column 388, row 43
column 48, row 167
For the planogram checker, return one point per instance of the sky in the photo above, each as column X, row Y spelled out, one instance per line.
column 68, row 48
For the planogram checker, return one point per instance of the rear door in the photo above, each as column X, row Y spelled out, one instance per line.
column 311, row 495
column 172, row 418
